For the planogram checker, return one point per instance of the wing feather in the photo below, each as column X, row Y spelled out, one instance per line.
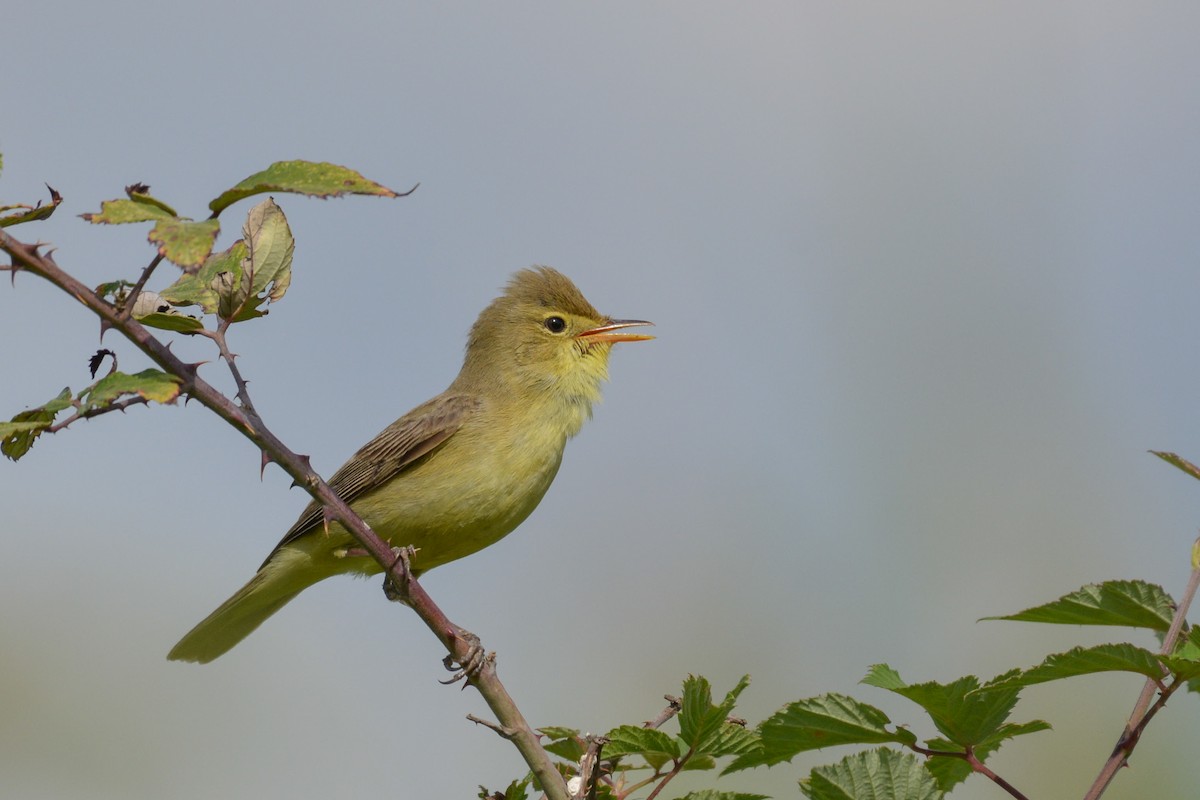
column 416, row 434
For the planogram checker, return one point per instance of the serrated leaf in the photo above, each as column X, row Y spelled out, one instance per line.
column 949, row 771
column 151, row 384
column 817, row 722
column 567, row 749
column 123, row 211
column 563, row 742
column 211, row 287
column 17, row 436
column 699, row 764
column 962, row 710
column 713, row 794
column 1121, row 657
column 152, row 310
column 700, row 721
column 517, row 790
column 636, row 740
column 140, row 193
column 1179, row 462
column 270, row 246
column 301, row 177
column 872, row 775
column 733, row 740
column 30, row 213
column 172, row 321
column 184, row 242
column 555, row 732
column 113, row 291
column 1127, row 603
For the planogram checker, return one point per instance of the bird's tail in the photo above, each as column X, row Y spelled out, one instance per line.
column 267, row 592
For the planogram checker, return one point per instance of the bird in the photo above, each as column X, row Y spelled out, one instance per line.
column 458, row 472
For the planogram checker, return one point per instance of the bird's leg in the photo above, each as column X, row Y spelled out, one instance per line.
column 471, row 663
column 397, row 591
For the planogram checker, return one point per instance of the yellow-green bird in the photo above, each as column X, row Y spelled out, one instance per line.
column 458, row 472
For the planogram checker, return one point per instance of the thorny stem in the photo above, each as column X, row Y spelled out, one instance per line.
column 674, row 771
column 674, row 706
column 26, row 257
column 976, row 766
column 1142, row 710
column 120, row 405
column 126, row 309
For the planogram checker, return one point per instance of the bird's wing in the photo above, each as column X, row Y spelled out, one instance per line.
column 416, row 434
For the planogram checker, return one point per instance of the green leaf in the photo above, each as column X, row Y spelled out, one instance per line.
column 517, row 790
column 733, row 740
column 713, row 794
column 1127, row 603
column 563, row 742
column 184, row 242
column 210, row 287
column 236, row 282
column 301, row 177
column 17, row 436
column 268, row 266
column 699, row 764
column 172, row 321
column 701, row 723
column 1090, row 660
column 152, row 384
column 150, row 309
column 817, row 722
column 1179, row 462
column 963, row 711
column 120, row 212
column 140, row 193
column 950, row 771
column 881, row 774
column 30, row 213
column 636, row 740
column 555, row 732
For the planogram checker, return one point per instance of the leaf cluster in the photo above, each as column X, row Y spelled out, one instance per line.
column 972, row 718
column 234, row 284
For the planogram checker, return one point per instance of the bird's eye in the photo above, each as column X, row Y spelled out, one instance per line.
column 555, row 324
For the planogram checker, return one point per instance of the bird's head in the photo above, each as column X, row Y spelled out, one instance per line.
column 542, row 340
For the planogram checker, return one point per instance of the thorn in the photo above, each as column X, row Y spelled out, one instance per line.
column 266, row 459
column 326, row 516
column 507, row 733
column 193, row 367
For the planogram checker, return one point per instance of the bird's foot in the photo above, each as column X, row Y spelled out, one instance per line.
column 395, row 589
column 472, row 661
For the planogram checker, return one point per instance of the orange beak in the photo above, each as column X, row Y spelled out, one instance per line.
column 613, row 331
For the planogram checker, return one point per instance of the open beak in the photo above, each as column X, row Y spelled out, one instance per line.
column 614, row 331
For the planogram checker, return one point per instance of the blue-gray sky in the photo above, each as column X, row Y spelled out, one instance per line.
column 924, row 277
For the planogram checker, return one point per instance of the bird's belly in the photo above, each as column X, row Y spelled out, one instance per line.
column 447, row 519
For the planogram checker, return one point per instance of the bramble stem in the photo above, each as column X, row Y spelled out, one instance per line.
column 26, row 257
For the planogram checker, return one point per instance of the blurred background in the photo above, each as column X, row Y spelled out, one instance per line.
column 923, row 276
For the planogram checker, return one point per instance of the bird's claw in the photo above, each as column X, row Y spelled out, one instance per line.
column 471, row 663
column 397, row 591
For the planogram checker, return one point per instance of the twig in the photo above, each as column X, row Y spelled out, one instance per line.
column 589, row 767
column 120, row 405
column 1142, row 710
column 675, row 770
column 674, row 706
column 126, row 308
column 485, row 680
column 969, row 756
